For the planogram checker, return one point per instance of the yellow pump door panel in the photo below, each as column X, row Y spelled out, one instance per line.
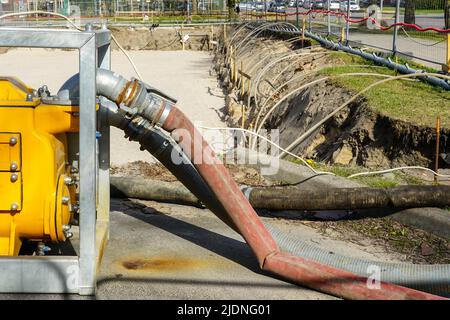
column 10, row 159
column 11, row 191
column 10, row 175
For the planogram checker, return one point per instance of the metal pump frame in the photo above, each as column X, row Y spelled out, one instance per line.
column 71, row 274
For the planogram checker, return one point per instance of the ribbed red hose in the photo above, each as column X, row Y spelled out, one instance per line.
column 302, row 271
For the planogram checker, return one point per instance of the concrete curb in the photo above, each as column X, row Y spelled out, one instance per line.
column 432, row 220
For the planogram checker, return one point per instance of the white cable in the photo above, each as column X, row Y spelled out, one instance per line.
column 76, row 27
column 330, row 173
column 128, row 57
column 272, row 143
column 14, row 14
column 423, row 44
column 397, row 169
column 354, row 97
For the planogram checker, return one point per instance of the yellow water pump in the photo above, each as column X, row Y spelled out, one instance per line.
column 37, row 182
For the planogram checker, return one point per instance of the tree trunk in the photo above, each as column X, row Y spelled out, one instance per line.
column 410, row 15
column 231, row 4
column 447, row 14
column 194, row 7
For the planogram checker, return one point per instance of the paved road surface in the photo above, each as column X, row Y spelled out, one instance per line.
column 425, row 51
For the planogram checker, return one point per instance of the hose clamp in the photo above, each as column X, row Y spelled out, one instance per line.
column 164, row 114
column 246, row 190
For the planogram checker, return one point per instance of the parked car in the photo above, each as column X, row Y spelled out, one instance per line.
column 246, row 6
column 354, row 6
column 259, row 6
column 277, row 7
column 293, row 3
column 334, row 4
column 319, row 4
column 307, row 4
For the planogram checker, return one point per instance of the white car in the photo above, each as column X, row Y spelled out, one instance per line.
column 335, row 4
column 245, row 6
column 259, row 6
column 354, row 6
column 293, row 3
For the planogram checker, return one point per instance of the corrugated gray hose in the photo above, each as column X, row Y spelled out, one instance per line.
column 430, row 278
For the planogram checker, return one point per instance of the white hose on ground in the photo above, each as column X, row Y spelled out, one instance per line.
column 249, row 34
column 255, row 84
column 367, row 173
column 296, row 53
column 266, row 116
column 301, row 75
column 254, row 36
column 252, row 91
column 257, row 90
column 269, row 141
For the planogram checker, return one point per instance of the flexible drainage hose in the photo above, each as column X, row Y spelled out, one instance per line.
column 299, row 270
column 135, row 100
column 369, row 56
column 431, row 278
column 169, row 154
column 293, row 198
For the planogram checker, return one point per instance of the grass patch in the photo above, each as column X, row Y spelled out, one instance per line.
column 426, row 35
column 393, row 179
column 370, row 181
column 388, row 10
column 411, row 101
column 171, row 19
column 395, row 237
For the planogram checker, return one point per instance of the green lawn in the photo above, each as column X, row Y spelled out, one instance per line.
column 412, row 101
column 375, row 181
column 170, row 19
column 391, row 10
column 428, row 35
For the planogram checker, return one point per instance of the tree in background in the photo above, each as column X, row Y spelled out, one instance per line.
column 231, row 4
column 410, row 8
column 194, row 6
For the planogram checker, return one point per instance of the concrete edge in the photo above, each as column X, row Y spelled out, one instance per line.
column 433, row 220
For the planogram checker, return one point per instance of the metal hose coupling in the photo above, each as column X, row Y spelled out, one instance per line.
column 134, row 97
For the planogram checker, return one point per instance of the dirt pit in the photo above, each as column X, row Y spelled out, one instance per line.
column 241, row 174
column 357, row 136
column 165, row 38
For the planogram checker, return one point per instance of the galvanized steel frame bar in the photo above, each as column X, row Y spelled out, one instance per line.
column 71, row 274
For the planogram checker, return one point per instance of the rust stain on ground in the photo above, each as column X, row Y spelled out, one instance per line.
column 162, row 264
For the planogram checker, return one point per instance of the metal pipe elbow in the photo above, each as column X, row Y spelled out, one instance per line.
column 110, row 84
column 134, row 96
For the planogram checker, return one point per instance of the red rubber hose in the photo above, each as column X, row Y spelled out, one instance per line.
column 296, row 269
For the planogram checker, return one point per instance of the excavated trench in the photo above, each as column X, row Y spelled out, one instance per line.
column 358, row 135
column 164, row 38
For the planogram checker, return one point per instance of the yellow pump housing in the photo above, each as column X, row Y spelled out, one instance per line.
column 37, row 185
